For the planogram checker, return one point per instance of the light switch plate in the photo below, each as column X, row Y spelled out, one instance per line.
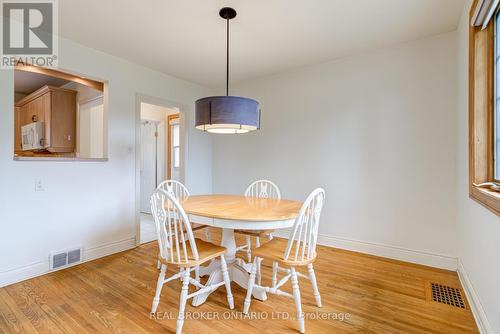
column 39, row 186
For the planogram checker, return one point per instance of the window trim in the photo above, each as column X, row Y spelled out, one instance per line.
column 481, row 114
column 175, row 147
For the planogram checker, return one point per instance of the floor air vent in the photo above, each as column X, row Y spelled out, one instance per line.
column 65, row 258
column 447, row 295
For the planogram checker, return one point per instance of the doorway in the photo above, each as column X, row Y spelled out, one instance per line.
column 160, row 156
column 152, row 148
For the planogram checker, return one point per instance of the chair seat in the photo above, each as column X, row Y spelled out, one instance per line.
column 206, row 252
column 254, row 233
column 274, row 250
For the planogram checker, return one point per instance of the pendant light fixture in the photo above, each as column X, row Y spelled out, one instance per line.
column 227, row 114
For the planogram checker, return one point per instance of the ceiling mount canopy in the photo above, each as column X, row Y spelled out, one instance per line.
column 227, row 114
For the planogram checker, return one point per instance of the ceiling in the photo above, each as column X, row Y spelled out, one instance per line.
column 186, row 38
column 28, row 82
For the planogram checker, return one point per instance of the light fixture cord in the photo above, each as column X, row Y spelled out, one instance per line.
column 227, row 57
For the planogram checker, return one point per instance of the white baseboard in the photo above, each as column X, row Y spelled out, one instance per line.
column 388, row 251
column 23, row 273
column 108, row 249
column 413, row 256
column 475, row 304
column 42, row 267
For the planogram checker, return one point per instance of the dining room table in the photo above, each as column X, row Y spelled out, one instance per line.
column 235, row 212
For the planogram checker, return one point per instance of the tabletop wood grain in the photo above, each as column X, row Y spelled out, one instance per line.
column 235, row 207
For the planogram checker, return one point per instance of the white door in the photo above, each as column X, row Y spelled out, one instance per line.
column 149, row 181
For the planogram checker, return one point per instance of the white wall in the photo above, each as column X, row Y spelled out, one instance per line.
column 90, row 121
column 478, row 228
column 156, row 113
column 377, row 131
column 91, row 129
column 89, row 204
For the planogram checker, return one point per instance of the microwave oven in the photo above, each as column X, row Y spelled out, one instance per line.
column 33, row 136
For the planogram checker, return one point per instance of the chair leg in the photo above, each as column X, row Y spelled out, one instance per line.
column 227, row 281
column 249, row 248
column 251, row 282
column 296, row 297
column 259, row 273
column 159, row 286
column 312, row 278
column 197, row 273
column 207, row 233
column 275, row 273
column 259, row 276
column 182, row 303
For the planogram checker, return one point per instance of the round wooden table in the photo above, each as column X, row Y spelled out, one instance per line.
column 231, row 212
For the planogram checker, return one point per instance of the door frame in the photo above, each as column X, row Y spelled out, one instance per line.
column 183, row 150
column 156, row 150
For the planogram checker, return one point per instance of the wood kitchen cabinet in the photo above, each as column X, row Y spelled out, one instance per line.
column 17, row 130
column 56, row 108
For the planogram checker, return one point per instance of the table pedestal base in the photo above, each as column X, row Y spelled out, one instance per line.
column 238, row 275
column 239, row 270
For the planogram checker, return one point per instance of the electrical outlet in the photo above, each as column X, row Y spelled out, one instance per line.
column 39, row 185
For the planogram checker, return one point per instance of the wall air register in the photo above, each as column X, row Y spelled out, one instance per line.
column 65, row 258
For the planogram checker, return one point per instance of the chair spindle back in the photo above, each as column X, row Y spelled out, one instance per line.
column 172, row 227
column 303, row 238
column 263, row 189
column 178, row 190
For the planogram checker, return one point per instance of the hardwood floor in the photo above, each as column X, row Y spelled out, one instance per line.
column 114, row 295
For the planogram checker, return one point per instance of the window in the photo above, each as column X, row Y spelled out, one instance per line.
column 484, row 104
column 176, row 149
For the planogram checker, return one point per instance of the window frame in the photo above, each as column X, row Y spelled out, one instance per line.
column 496, row 95
column 481, row 114
column 176, row 163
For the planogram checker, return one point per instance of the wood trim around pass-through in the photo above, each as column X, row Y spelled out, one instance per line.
column 62, row 75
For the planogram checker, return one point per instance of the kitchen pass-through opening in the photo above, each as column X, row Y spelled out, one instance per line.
column 58, row 115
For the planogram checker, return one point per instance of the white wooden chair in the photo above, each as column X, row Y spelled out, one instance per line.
column 182, row 250
column 298, row 251
column 180, row 192
column 176, row 188
column 258, row 189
